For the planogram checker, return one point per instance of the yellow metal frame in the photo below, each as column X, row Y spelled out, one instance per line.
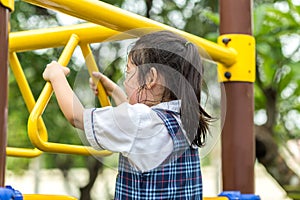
column 120, row 20
column 46, row 197
column 23, row 152
column 46, row 38
column 39, row 107
column 8, row 4
column 92, row 67
column 230, row 56
column 244, row 67
column 58, row 36
column 30, row 102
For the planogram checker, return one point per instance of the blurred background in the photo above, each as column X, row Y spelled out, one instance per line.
column 277, row 99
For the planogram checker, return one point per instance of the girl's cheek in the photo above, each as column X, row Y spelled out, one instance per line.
column 131, row 93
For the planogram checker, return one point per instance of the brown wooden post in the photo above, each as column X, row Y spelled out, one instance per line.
column 238, row 132
column 4, row 15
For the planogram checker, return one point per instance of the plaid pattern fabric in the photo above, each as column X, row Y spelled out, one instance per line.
column 177, row 178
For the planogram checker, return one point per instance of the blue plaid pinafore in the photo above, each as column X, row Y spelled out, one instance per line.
column 179, row 177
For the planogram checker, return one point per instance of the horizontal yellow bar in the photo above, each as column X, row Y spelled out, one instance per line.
column 59, row 36
column 23, row 152
column 118, row 19
column 46, row 197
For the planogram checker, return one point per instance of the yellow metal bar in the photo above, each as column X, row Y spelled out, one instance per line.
column 40, row 107
column 244, row 68
column 117, row 19
column 29, row 101
column 8, row 4
column 58, row 36
column 26, row 91
column 23, row 152
column 92, row 67
column 46, row 197
column 21, row 81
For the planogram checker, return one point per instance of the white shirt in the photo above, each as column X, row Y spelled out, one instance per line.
column 136, row 131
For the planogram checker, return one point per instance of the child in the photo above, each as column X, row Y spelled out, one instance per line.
column 157, row 127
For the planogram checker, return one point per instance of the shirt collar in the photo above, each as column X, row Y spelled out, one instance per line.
column 170, row 105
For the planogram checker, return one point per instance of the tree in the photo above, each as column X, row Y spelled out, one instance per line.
column 277, row 87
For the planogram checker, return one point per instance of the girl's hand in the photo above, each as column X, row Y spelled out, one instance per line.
column 108, row 84
column 110, row 87
column 54, row 70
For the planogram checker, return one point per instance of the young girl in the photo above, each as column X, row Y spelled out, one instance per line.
column 157, row 126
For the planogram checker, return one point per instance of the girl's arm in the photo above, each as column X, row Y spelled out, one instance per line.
column 67, row 100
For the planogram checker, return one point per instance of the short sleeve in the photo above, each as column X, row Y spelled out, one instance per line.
column 136, row 131
column 111, row 128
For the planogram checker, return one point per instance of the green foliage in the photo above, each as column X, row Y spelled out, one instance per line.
column 275, row 28
column 18, row 165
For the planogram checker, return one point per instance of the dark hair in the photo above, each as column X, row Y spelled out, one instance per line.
column 179, row 62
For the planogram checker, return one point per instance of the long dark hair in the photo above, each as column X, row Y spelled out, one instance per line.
column 179, row 62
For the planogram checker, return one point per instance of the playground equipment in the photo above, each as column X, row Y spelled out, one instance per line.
column 234, row 53
column 42, row 103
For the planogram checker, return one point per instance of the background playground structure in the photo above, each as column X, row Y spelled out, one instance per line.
column 227, row 53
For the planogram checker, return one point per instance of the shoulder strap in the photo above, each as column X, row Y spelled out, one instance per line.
column 169, row 120
column 179, row 140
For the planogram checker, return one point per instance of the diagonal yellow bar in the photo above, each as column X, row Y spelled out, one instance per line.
column 29, row 101
column 118, row 19
column 41, row 105
column 92, row 67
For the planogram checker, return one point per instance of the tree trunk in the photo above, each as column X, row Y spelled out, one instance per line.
column 94, row 166
column 148, row 7
column 268, row 155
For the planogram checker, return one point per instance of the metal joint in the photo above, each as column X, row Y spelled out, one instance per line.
column 244, row 67
column 8, row 4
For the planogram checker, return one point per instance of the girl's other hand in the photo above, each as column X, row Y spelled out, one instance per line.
column 111, row 88
column 93, row 86
column 108, row 84
column 53, row 70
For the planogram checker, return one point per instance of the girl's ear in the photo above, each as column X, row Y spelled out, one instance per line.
column 151, row 78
